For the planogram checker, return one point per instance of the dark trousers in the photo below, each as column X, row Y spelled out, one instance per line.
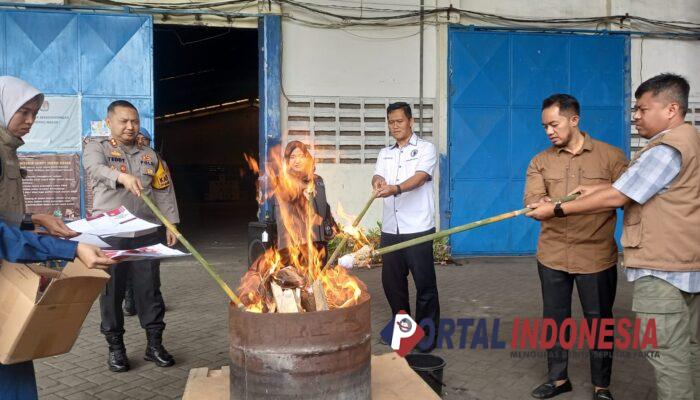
column 145, row 277
column 597, row 294
column 17, row 381
column 418, row 260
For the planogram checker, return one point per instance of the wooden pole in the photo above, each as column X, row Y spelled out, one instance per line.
column 310, row 213
column 192, row 250
column 462, row 228
column 355, row 223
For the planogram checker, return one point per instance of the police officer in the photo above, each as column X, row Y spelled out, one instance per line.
column 121, row 170
column 403, row 177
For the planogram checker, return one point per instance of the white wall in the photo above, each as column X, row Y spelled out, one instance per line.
column 358, row 62
column 350, row 185
column 537, row 9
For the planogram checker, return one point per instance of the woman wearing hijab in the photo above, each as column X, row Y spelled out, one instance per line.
column 19, row 105
column 291, row 203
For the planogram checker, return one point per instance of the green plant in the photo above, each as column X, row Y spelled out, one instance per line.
column 442, row 251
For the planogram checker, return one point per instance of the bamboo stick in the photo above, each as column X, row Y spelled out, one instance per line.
column 192, row 250
column 462, row 228
column 356, row 222
column 310, row 213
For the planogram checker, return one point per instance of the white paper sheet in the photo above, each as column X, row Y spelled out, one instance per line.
column 111, row 223
column 145, row 253
column 91, row 239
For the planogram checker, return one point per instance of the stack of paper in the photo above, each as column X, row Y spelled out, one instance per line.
column 111, row 223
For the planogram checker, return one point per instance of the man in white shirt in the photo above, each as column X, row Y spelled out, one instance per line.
column 403, row 177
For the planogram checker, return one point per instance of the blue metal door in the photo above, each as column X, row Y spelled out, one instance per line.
column 497, row 81
column 96, row 58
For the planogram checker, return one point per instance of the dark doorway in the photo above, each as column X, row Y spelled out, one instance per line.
column 206, row 108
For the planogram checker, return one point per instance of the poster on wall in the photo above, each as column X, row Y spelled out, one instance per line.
column 57, row 127
column 52, row 185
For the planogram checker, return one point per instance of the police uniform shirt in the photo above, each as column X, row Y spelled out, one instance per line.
column 411, row 211
column 106, row 158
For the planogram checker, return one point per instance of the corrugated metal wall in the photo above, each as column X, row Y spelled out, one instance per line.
column 497, row 83
column 97, row 58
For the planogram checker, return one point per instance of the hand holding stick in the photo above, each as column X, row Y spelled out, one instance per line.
column 456, row 229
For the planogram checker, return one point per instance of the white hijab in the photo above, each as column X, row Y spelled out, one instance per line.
column 14, row 93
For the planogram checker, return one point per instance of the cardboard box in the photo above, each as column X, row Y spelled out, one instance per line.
column 392, row 379
column 36, row 324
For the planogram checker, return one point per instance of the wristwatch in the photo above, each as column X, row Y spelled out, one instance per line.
column 558, row 211
column 398, row 190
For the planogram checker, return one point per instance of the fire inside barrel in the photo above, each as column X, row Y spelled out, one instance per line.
column 305, row 330
column 293, row 279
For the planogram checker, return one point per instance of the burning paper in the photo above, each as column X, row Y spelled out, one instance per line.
column 282, row 280
column 360, row 258
column 156, row 251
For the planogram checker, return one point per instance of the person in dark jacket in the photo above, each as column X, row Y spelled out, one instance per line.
column 292, row 193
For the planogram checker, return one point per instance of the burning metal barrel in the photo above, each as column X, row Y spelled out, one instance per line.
column 312, row 355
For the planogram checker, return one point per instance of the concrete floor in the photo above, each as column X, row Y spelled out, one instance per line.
column 196, row 332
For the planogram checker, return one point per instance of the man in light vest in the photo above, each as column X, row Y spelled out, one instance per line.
column 661, row 195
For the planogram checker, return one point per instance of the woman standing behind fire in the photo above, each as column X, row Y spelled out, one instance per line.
column 291, row 204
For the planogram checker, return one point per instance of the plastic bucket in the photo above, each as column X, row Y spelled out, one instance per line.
column 430, row 368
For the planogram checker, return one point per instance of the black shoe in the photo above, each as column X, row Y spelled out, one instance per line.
column 549, row 389
column 602, row 394
column 117, row 360
column 155, row 351
column 129, row 306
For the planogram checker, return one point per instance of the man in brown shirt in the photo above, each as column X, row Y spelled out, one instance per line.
column 577, row 249
column 660, row 192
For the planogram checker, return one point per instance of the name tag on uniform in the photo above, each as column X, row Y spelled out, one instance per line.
column 146, row 160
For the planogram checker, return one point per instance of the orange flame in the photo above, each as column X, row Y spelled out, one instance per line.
column 292, row 187
column 252, row 163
